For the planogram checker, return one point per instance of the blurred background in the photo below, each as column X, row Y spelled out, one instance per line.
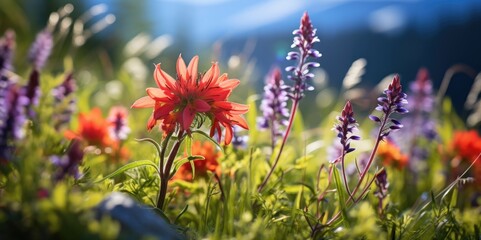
column 249, row 37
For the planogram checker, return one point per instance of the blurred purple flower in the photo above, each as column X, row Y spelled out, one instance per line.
column 40, row 49
column 60, row 93
column 382, row 185
column 239, row 141
column 303, row 41
column 32, row 92
column 394, row 101
column 117, row 120
column 421, row 98
column 12, row 119
column 274, row 105
column 68, row 164
column 7, row 46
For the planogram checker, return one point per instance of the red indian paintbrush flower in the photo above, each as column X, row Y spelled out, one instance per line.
column 180, row 103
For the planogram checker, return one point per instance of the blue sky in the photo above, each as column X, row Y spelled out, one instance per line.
column 205, row 21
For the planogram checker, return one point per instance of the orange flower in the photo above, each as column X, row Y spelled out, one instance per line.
column 177, row 104
column 208, row 151
column 467, row 144
column 92, row 129
column 391, row 155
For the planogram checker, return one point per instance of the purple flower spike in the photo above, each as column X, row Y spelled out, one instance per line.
column 68, row 164
column 7, row 46
column 303, row 41
column 40, row 49
column 421, row 98
column 382, row 185
column 60, row 93
column 274, row 105
column 12, row 120
column 345, row 128
column 118, row 127
column 394, row 101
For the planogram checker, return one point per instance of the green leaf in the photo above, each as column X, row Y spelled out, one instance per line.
column 181, row 162
column 208, row 138
column 252, row 118
column 129, row 166
column 181, row 213
column 298, row 126
column 150, row 140
column 341, row 193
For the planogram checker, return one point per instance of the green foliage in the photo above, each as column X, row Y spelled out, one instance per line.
column 305, row 197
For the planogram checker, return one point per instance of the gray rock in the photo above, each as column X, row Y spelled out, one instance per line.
column 136, row 220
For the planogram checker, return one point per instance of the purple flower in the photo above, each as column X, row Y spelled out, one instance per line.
column 117, row 120
column 32, row 92
column 382, row 185
column 12, row 119
column 68, row 164
column 421, row 98
column 345, row 128
column 239, row 141
column 40, row 49
column 394, row 101
column 303, row 41
column 7, row 46
column 274, row 105
column 60, row 93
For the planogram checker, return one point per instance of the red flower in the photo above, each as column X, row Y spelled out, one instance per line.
column 391, row 155
column 92, row 129
column 208, row 151
column 467, row 144
column 178, row 104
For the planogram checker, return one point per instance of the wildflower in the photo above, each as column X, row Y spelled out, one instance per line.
column 60, row 93
column 92, row 129
column 381, row 192
column 210, row 163
column 117, row 123
column 391, row 155
column 421, row 98
column 40, row 49
column 32, row 92
column 346, row 126
column 394, row 101
column 303, row 41
column 186, row 102
column 467, row 144
column 382, row 184
column 68, row 164
column 12, row 123
column 274, row 105
column 238, row 140
column 7, row 46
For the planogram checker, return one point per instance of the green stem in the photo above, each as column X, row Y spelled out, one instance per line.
column 284, row 140
column 165, row 172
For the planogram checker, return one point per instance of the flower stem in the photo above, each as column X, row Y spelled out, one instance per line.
column 295, row 104
column 165, row 171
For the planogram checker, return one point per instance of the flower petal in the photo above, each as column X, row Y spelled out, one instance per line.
column 181, row 68
column 156, row 94
column 233, row 108
column 201, row 105
column 228, row 133
column 187, row 118
column 229, row 84
column 192, row 68
column 151, row 123
column 163, row 79
column 144, row 102
column 163, row 111
column 240, row 121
